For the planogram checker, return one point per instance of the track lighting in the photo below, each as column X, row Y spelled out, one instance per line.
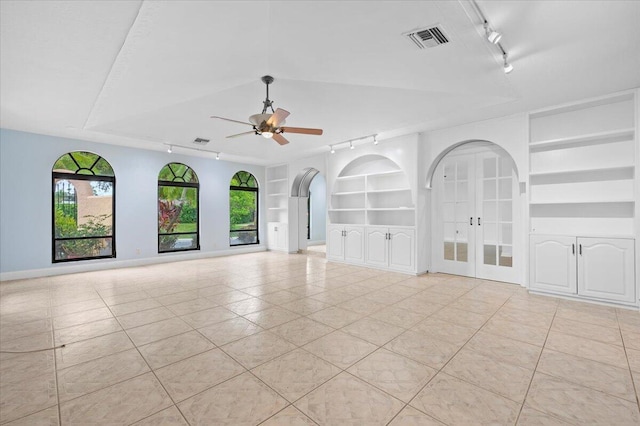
column 351, row 145
column 170, row 149
column 217, row 155
column 494, row 37
column 333, row 151
column 507, row 66
column 375, row 139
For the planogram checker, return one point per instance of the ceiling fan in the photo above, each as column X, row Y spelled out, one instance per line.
column 270, row 125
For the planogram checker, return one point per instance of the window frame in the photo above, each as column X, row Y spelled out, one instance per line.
column 76, row 176
column 255, row 189
column 180, row 184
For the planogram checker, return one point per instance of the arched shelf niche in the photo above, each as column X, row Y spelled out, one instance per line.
column 372, row 190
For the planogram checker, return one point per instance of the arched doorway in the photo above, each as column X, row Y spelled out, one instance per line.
column 310, row 189
column 476, row 213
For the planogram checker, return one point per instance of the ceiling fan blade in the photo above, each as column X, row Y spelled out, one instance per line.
column 303, row 130
column 280, row 139
column 233, row 121
column 277, row 117
column 252, row 132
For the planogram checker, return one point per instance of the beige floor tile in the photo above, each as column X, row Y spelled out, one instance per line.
column 137, row 306
column 290, row 416
column 340, row 349
column 477, row 306
column 578, row 404
column 228, row 297
column 158, row 331
column 207, row 317
column 395, row 374
column 91, row 376
column 16, row 331
column 602, row 334
column 516, row 331
column 229, row 331
column 83, row 317
column 418, row 306
column 346, row 400
column 258, row 348
column 301, row 331
column 17, row 367
column 460, row 317
column 397, row 316
column 243, row 400
column 444, row 330
column 168, row 417
column 409, row 416
column 586, row 348
column 374, row 331
column 491, row 374
column 149, row 316
column 595, row 375
column 32, row 342
column 453, row 401
column 191, row 306
column 118, row 299
column 333, row 297
column 124, row 403
column 432, row 352
column 72, row 308
column 24, row 397
column 629, row 320
column 335, row 317
column 631, row 339
column 533, row 319
column 633, row 356
column 173, row 349
column 28, row 316
column 533, row 305
column 86, row 331
column 248, row 306
column 198, row 373
column 172, row 299
column 531, row 417
column 280, row 297
column 305, row 306
column 272, row 317
column 294, row 374
column 505, row 349
column 384, row 296
column 432, row 295
column 48, row 417
column 91, row 349
column 590, row 315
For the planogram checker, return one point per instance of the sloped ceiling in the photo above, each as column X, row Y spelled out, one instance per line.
column 153, row 72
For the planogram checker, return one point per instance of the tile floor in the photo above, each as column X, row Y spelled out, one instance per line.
column 280, row 339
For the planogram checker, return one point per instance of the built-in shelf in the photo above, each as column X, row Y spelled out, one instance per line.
column 378, row 191
column 346, row 210
column 560, row 202
column 348, row 193
column 277, row 197
column 277, row 208
column 599, row 137
column 277, row 194
column 362, row 175
column 390, row 209
column 590, row 170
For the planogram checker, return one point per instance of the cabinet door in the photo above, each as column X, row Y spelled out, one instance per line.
column 272, row 236
column 283, row 242
column 553, row 264
column 376, row 247
column 335, row 242
column 402, row 249
column 606, row 269
column 354, row 244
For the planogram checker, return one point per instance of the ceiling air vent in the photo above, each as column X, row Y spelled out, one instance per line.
column 201, row 141
column 431, row 36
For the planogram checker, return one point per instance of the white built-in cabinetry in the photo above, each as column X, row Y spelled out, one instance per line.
column 582, row 199
column 372, row 216
column 277, row 203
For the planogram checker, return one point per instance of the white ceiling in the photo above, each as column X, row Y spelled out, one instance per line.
column 146, row 73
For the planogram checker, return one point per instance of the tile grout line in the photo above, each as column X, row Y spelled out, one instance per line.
column 626, row 354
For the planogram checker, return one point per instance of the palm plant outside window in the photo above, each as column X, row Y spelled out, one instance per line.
column 83, row 208
column 243, row 209
column 178, row 211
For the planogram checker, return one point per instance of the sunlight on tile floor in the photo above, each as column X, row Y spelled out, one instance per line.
column 278, row 339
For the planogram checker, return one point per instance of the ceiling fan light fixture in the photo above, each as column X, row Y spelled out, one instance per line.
column 267, row 135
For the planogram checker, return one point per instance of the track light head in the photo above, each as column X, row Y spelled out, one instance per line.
column 375, row 139
column 170, row 149
column 351, row 145
column 507, row 66
column 494, row 37
column 217, row 155
column 333, row 151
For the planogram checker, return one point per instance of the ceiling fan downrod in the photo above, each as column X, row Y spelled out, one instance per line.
column 267, row 79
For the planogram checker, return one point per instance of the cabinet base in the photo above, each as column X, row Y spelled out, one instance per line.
column 577, row 298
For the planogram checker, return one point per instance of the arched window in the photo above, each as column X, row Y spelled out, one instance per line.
column 83, row 208
column 243, row 209
column 178, row 201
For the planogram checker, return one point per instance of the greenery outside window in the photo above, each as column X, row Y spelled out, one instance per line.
column 243, row 209
column 83, row 208
column 178, row 209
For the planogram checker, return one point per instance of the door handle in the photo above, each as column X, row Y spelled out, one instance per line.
column 471, row 221
column 573, row 249
column 580, row 249
column 479, row 222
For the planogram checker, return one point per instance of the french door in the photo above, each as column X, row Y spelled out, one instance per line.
column 474, row 216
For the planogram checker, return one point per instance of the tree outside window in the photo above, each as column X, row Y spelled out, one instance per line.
column 243, row 209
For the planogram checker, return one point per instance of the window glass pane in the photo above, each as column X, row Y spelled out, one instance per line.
column 505, row 211
column 489, row 232
column 489, row 210
column 489, row 167
column 448, row 210
column 449, row 172
column 166, row 174
column 85, row 211
column 243, row 237
column 449, row 191
column 462, row 212
column 243, row 216
column 505, row 167
column 505, row 189
column 448, row 250
column 506, row 233
column 103, row 168
column 489, row 254
column 178, row 242
column 463, row 191
column 449, row 231
column 83, row 248
column 65, row 165
column 506, row 256
column 461, row 252
column 462, row 170
column 177, row 209
column 84, row 159
column 461, row 231
column 489, row 186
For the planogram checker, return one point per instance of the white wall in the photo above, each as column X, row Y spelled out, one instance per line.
column 318, row 190
column 26, row 160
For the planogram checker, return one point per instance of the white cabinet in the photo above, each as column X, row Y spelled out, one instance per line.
column 606, row 269
column 277, row 236
column 598, row 268
column 390, row 247
column 345, row 243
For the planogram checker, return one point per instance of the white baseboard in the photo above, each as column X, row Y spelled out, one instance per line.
column 103, row 264
column 316, row 243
